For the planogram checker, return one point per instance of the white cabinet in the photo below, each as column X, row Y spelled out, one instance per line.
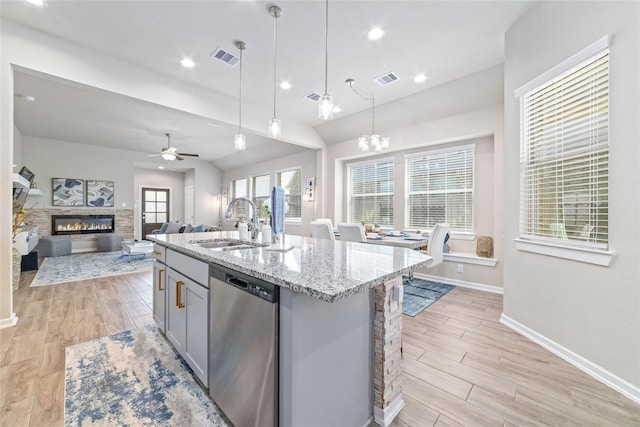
column 159, row 287
column 159, row 292
column 187, row 311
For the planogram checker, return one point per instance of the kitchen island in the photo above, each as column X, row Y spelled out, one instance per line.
column 340, row 324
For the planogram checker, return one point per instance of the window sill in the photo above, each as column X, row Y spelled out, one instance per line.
column 469, row 258
column 463, row 235
column 589, row 256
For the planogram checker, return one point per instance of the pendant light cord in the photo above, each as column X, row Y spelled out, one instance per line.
column 350, row 82
column 326, row 46
column 275, row 57
column 240, row 96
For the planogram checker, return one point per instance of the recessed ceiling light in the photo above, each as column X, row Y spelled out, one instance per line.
column 375, row 33
column 39, row 3
column 187, row 63
column 419, row 78
column 160, row 167
column 336, row 109
column 285, row 85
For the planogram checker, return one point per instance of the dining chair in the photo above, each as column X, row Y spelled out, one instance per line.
column 436, row 245
column 352, row 233
column 327, row 220
column 321, row 230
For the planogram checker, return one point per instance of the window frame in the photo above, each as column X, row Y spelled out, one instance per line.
column 573, row 249
column 278, row 181
column 378, row 160
column 457, row 233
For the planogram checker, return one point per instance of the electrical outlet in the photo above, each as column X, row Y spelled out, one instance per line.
column 460, row 268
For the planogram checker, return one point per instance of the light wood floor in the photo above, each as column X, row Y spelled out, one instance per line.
column 461, row 366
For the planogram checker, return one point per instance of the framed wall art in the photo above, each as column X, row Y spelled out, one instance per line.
column 68, row 192
column 100, row 193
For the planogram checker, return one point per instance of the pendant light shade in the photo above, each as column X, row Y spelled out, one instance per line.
column 325, row 104
column 275, row 128
column 239, row 140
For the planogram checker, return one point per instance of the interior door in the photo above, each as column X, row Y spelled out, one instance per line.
column 155, row 209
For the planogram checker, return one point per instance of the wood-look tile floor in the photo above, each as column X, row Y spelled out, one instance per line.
column 461, row 366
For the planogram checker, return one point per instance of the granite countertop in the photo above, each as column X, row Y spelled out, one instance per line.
column 324, row 269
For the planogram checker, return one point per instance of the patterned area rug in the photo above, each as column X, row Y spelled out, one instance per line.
column 70, row 268
column 420, row 294
column 133, row 378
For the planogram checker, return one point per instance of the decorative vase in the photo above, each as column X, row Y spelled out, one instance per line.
column 17, row 258
column 368, row 228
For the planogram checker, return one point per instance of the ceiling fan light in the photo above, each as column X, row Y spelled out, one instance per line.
column 168, row 156
column 240, row 142
column 384, row 142
column 325, row 107
column 275, row 128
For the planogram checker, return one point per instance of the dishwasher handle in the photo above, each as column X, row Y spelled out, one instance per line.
column 237, row 282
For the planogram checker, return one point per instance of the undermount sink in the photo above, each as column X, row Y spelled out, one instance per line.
column 225, row 244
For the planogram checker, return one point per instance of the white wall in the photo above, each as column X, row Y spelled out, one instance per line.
column 306, row 160
column 207, row 189
column 155, row 178
column 482, row 125
column 17, row 150
column 589, row 310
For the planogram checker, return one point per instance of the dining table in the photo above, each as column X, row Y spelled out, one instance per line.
column 409, row 241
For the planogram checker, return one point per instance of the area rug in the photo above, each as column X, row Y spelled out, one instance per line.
column 420, row 294
column 133, row 378
column 70, row 268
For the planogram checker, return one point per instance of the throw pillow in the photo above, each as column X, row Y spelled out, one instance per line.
column 173, row 227
column 188, row 228
column 198, row 228
column 163, row 229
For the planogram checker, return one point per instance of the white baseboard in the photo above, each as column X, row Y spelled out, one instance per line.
column 461, row 283
column 9, row 322
column 368, row 423
column 384, row 417
column 590, row 368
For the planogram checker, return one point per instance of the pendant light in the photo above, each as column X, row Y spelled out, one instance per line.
column 373, row 141
column 325, row 106
column 275, row 127
column 239, row 140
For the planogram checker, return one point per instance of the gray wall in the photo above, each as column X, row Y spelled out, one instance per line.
column 306, row 160
column 586, row 309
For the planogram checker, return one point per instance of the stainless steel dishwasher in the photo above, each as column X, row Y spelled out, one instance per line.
column 243, row 347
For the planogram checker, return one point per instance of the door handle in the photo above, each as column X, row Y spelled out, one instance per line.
column 160, row 288
column 179, row 303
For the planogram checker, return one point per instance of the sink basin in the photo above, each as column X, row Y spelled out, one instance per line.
column 225, row 244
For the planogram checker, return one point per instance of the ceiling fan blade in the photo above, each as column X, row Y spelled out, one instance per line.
column 178, row 157
column 154, row 155
column 190, row 155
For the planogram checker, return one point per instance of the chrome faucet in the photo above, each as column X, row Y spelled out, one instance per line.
column 256, row 221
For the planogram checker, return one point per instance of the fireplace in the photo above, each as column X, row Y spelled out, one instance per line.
column 82, row 224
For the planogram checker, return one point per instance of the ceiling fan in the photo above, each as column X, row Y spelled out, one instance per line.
column 171, row 153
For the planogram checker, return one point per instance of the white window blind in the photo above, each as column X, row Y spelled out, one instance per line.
column 239, row 189
column 261, row 190
column 440, row 188
column 292, row 183
column 564, row 183
column 370, row 192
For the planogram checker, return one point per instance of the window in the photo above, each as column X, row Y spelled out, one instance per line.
column 292, row 184
column 564, row 154
column 239, row 189
column 440, row 188
column 261, row 190
column 370, row 192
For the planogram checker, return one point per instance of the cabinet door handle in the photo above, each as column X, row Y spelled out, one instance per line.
column 179, row 303
column 157, row 252
column 160, row 288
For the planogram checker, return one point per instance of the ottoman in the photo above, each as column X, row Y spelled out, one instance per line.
column 109, row 242
column 54, row 246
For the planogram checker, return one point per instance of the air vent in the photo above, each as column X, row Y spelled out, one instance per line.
column 312, row 96
column 226, row 57
column 385, row 79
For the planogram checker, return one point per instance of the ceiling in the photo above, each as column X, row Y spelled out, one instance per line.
column 446, row 40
